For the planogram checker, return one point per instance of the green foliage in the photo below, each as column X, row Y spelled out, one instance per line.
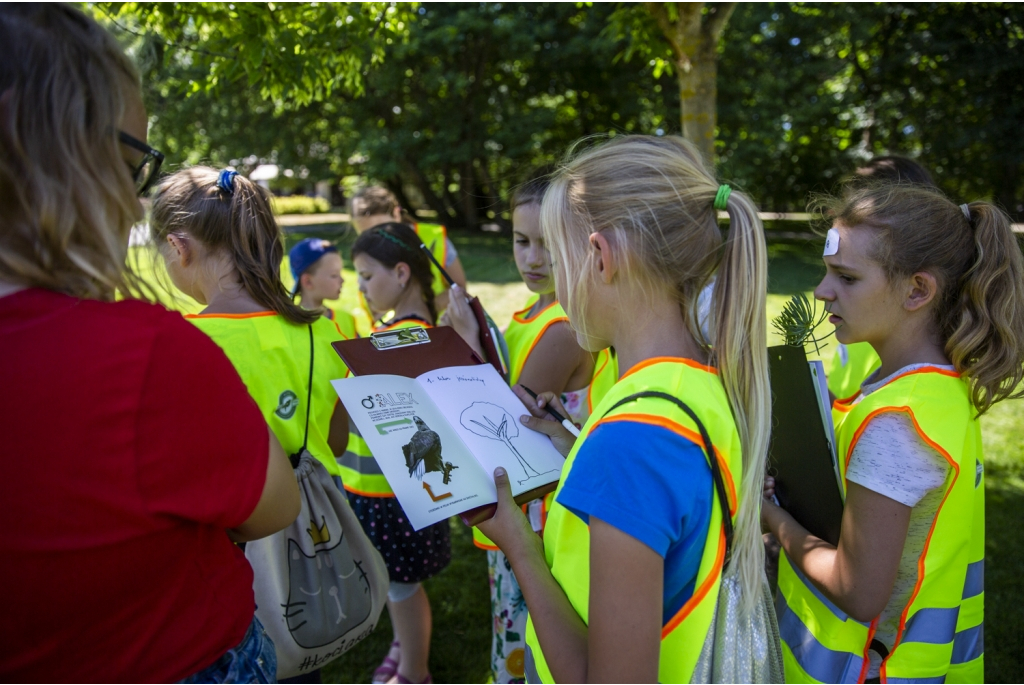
column 299, row 204
column 798, row 320
column 293, row 52
column 806, row 92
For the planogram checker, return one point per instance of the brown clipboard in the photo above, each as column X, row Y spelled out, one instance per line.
column 445, row 348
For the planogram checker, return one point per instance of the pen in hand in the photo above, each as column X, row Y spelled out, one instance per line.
column 569, row 426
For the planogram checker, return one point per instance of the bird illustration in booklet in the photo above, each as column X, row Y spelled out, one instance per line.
column 423, row 453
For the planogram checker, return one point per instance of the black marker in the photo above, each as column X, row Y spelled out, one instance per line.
column 569, row 426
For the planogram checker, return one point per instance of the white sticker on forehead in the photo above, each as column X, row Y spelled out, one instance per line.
column 831, row 243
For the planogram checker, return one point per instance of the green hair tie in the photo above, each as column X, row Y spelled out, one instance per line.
column 722, row 197
column 395, row 239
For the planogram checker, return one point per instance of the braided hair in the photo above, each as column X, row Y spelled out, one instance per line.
column 393, row 243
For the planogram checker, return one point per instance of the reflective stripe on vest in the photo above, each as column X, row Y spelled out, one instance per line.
column 940, row 635
column 567, row 538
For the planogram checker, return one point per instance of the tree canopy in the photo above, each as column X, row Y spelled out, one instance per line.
column 452, row 104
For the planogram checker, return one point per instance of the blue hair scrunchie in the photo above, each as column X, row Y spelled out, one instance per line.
column 226, row 181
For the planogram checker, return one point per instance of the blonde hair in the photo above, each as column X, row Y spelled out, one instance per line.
column 239, row 224
column 979, row 309
column 67, row 197
column 652, row 198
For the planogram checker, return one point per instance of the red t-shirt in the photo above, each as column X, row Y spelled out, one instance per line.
column 129, row 445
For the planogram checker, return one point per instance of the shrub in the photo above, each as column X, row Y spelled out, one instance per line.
column 300, row 204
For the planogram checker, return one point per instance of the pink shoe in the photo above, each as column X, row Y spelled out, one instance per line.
column 388, row 668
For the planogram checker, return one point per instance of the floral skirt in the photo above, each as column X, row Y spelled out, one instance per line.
column 508, row 611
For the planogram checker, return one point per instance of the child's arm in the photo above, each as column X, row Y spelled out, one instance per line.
column 623, row 641
column 337, row 438
column 556, row 360
column 857, row 576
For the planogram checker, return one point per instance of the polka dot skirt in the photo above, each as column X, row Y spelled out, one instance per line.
column 411, row 556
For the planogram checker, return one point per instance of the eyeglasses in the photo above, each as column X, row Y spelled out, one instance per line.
column 145, row 172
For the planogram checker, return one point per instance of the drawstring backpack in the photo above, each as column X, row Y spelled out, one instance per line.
column 320, row 584
column 737, row 649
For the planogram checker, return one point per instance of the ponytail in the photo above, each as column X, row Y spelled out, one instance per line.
column 740, row 330
column 655, row 201
column 973, row 254
column 228, row 213
column 984, row 322
column 393, row 243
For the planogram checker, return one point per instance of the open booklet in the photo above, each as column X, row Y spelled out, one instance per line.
column 802, row 452
column 437, row 438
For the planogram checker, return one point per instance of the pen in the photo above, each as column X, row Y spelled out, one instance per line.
column 558, row 417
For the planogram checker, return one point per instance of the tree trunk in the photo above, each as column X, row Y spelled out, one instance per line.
column 693, row 36
column 698, row 93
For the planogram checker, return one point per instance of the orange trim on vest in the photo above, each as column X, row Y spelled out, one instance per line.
column 534, row 317
column 685, row 432
column 489, row 548
column 366, row 494
column 536, row 340
column 253, row 315
column 701, row 592
column 337, row 327
column 924, row 552
column 867, row 648
column 675, row 360
column 590, row 395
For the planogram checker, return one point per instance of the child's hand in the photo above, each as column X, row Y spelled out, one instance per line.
column 460, row 316
column 509, row 528
column 543, row 422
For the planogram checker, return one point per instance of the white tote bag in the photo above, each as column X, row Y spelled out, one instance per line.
column 320, row 584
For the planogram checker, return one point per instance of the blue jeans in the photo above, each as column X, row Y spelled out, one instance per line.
column 253, row 660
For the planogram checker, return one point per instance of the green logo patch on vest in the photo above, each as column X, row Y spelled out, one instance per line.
column 287, row 403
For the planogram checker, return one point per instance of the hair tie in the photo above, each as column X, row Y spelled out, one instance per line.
column 396, row 240
column 966, row 210
column 722, row 197
column 226, row 181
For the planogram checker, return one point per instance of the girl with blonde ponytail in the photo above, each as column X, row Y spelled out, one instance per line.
column 624, row 587
column 938, row 291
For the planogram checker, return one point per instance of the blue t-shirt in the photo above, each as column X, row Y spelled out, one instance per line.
column 653, row 485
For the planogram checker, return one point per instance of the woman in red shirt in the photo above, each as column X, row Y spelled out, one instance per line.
column 133, row 455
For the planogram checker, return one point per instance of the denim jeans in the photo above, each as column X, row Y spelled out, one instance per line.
column 253, row 660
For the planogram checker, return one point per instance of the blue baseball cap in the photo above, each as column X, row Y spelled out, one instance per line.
column 305, row 254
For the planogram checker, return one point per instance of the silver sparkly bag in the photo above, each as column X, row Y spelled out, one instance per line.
column 738, row 648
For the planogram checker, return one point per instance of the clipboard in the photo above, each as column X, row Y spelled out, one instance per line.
column 411, row 352
column 800, row 453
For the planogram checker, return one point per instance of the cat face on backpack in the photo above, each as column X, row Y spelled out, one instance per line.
column 318, row 611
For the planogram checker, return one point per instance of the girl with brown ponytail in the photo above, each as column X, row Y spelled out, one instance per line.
column 222, row 247
column 938, row 291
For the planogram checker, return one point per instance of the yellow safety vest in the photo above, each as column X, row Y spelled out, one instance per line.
column 360, row 473
column 522, row 335
column 567, row 538
column 271, row 356
column 940, row 636
column 345, row 322
column 606, row 375
column 850, row 367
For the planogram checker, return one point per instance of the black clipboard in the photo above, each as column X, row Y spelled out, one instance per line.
column 800, row 454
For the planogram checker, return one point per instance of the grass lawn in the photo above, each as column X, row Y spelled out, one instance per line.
column 460, row 596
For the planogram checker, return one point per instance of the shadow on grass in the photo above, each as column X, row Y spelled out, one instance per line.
column 460, row 601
